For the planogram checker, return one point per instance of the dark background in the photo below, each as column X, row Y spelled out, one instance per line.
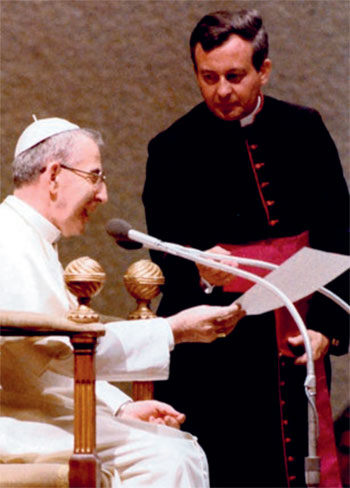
column 123, row 67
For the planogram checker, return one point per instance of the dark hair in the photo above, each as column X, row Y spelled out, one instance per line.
column 215, row 28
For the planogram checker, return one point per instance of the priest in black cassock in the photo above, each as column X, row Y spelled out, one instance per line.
column 254, row 176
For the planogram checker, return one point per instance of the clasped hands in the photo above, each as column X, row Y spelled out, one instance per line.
column 319, row 345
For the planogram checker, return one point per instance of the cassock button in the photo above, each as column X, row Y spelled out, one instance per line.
column 282, row 383
column 264, row 184
column 253, row 147
column 269, row 203
column 288, row 440
column 259, row 165
column 273, row 222
column 285, row 422
column 290, row 459
column 291, row 478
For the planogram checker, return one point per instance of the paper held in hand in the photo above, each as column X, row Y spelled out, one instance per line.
column 299, row 276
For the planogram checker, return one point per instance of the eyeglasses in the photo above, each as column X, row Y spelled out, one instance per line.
column 96, row 176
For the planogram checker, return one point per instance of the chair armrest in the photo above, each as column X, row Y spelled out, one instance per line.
column 18, row 475
column 32, row 323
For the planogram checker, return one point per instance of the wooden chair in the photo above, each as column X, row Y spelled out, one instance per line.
column 84, row 277
column 84, row 466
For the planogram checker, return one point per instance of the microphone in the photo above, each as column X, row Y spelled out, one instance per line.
column 129, row 238
column 119, row 230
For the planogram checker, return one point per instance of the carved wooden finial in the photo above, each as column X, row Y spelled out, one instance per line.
column 84, row 278
column 142, row 280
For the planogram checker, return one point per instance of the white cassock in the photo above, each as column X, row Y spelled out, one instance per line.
column 36, row 423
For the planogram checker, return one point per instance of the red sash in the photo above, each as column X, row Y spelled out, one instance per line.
column 276, row 251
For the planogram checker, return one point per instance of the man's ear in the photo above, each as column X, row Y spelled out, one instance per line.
column 52, row 171
column 265, row 71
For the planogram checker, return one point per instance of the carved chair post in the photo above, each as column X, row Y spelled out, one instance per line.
column 84, row 277
column 84, row 464
column 142, row 280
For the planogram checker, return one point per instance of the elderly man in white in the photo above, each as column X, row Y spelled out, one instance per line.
column 59, row 182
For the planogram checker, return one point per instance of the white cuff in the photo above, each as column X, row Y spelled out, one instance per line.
column 121, row 408
column 171, row 336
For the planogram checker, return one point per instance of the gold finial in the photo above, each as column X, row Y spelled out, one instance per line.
column 84, row 278
column 142, row 280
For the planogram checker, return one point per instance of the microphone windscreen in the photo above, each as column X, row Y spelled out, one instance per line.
column 118, row 229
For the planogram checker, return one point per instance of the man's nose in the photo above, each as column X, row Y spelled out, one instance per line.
column 102, row 193
column 224, row 88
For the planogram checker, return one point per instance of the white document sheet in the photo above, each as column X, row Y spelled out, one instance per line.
column 302, row 274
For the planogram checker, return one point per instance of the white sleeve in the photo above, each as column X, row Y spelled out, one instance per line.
column 135, row 350
column 130, row 351
column 111, row 395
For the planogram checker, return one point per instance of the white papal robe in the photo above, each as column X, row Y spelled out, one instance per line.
column 36, row 422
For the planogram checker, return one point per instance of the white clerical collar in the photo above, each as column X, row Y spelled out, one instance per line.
column 34, row 218
column 249, row 119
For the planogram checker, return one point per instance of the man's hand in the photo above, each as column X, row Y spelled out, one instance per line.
column 215, row 276
column 154, row 412
column 205, row 323
column 319, row 345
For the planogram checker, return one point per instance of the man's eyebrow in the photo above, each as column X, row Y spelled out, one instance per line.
column 236, row 70
column 231, row 70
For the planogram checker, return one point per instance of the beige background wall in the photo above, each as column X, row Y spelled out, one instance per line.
column 123, row 67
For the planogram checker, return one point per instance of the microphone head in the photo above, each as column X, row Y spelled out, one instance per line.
column 119, row 229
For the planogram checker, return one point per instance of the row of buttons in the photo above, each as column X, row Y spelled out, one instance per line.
column 287, row 439
column 261, row 177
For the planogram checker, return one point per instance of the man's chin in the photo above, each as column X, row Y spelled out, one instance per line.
column 229, row 116
column 77, row 230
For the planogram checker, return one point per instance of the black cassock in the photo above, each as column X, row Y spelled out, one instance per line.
column 210, row 181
